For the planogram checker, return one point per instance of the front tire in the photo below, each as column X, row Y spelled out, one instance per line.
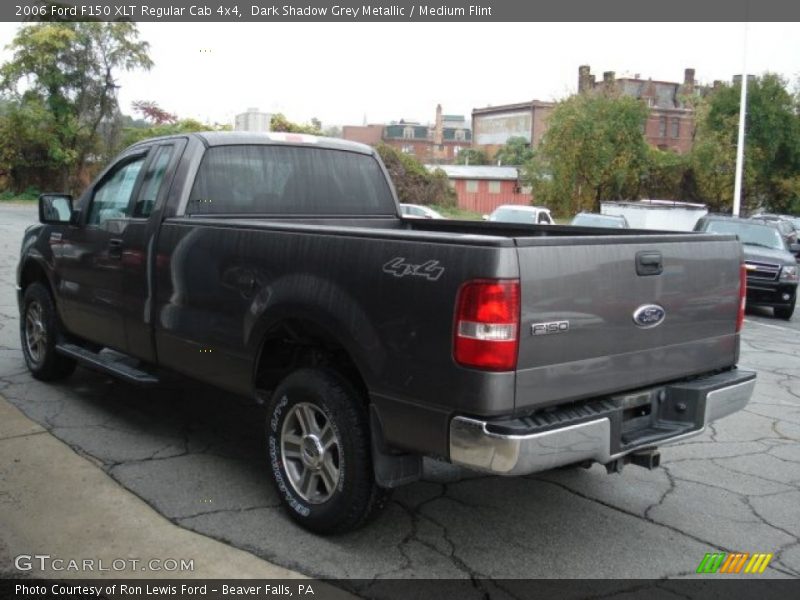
column 39, row 332
column 784, row 312
column 319, row 452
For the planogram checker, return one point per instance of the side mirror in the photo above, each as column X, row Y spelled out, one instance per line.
column 55, row 208
column 485, row 217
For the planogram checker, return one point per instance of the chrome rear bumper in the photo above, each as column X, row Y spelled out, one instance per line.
column 474, row 444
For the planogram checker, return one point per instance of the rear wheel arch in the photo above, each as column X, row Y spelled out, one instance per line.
column 295, row 342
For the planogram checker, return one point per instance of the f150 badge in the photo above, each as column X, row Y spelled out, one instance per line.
column 649, row 315
column 398, row 267
column 549, row 328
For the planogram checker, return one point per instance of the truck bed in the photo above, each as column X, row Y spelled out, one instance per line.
column 585, row 277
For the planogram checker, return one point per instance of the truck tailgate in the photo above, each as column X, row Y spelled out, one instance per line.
column 578, row 334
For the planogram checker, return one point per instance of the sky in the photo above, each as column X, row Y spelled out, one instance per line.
column 342, row 73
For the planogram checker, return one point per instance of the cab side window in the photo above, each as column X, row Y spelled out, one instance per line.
column 112, row 197
column 152, row 182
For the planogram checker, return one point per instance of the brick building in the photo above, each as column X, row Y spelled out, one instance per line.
column 494, row 125
column 484, row 188
column 437, row 143
column 670, row 124
column 364, row 134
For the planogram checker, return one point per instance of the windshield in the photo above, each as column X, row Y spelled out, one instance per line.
column 587, row 220
column 756, row 235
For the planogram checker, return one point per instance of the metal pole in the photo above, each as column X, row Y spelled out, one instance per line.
column 737, row 186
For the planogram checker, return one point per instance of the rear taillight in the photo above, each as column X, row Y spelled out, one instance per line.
column 742, row 297
column 487, row 325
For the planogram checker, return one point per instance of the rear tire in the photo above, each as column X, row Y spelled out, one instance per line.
column 318, row 442
column 784, row 312
column 39, row 332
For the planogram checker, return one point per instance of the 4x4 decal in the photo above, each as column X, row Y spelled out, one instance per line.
column 398, row 267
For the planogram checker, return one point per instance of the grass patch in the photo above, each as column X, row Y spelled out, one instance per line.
column 29, row 195
column 453, row 212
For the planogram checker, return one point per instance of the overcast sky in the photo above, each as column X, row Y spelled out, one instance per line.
column 340, row 72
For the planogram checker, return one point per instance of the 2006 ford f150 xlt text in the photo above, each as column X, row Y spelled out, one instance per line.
column 278, row 266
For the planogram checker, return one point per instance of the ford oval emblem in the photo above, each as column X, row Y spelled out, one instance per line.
column 649, row 315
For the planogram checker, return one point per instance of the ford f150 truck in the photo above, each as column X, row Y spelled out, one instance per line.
column 278, row 266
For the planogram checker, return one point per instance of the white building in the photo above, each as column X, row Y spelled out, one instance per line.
column 252, row 120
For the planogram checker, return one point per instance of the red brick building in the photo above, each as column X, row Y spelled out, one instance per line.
column 364, row 134
column 437, row 143
column 670, row 124
column 484, row 188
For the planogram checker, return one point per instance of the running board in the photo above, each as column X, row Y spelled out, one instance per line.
column 106, row 364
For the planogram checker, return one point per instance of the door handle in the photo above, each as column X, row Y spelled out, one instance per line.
column 649, row 262
column 115, row 248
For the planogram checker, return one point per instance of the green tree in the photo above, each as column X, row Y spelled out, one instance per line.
column 413, row 182
column 667, row 175
column 516, row 151
column 70, row 69
column 31, row 154
column 278, row 122
column 472, row 156
column 772, row 145
column 593, row 150
column 135, row 134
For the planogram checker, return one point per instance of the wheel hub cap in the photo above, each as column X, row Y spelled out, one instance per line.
column 311, row 452
column 35, row 332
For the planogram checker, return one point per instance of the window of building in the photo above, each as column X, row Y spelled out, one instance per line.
column 494, row 187
column 662, row 127
column 472, row 186
column 407, row 149
column 460, row 135
column 408, row 133
column 676, row 127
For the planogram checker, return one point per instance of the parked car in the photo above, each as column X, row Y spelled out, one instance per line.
column 795, row 220
column 782, row 224
column 772, row 270
column 417, row 211
column 277, row 267
column 657, row 215
column 517, row 213
column 585, row 219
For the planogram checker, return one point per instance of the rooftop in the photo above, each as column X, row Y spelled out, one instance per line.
column 477, row 171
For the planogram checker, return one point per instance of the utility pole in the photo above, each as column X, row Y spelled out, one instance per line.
column 737, row 186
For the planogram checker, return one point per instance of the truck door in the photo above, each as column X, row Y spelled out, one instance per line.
column 138, row 247
column 91, row 285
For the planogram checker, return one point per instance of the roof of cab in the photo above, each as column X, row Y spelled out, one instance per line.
column 229, row 138
column 238, row 138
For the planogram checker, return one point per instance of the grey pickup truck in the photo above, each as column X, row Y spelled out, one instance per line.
column 277, row 266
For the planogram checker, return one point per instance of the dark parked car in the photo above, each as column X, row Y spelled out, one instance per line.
column 785, row 226
column 278, row 267
column 772, row 271
column 586, row 219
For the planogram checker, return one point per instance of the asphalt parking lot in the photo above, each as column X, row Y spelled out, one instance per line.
column 196, row 455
